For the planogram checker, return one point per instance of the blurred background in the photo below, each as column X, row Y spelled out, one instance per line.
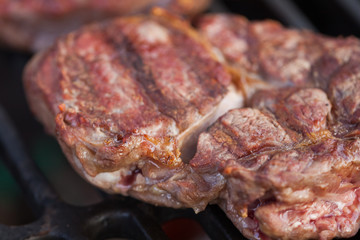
column 331, row 17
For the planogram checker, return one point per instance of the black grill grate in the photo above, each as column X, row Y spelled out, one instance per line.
column 118, row 216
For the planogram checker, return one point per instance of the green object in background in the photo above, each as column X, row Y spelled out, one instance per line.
column 47, row 154
column 9, row 190
column 13, row 207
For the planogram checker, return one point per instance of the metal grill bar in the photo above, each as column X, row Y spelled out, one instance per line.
column 32, row 182
column 290, row 14
column 218, row 6
column 122, row 217
column 352, row 7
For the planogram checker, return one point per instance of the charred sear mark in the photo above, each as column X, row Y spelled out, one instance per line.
column 132, row 60
column 207, row 71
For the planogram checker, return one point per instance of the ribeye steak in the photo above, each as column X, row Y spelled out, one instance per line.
column 128, row 96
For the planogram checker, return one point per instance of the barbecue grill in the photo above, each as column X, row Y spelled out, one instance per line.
column 117, row 216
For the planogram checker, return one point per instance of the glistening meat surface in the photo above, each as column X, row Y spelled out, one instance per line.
column 291, row 158
column 126, row 95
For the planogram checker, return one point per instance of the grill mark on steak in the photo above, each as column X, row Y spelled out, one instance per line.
column 235, row 140
column 172, row 104
column 144, row 110
column 252, row 134
column 130, row 58
column 190, row 93
column 100, row 94
column 206, row 72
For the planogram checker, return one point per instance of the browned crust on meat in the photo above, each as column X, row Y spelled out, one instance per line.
column 118, row 94
column 306, row 188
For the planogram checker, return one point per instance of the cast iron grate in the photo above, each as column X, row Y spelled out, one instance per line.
column 123, row 217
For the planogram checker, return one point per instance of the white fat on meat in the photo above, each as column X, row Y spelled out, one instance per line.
column 152, row 32
column 188, row 139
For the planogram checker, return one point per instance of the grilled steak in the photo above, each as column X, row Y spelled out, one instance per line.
column 290, row 160
column 126, row 97
column 275, row 169
column 35, row 24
